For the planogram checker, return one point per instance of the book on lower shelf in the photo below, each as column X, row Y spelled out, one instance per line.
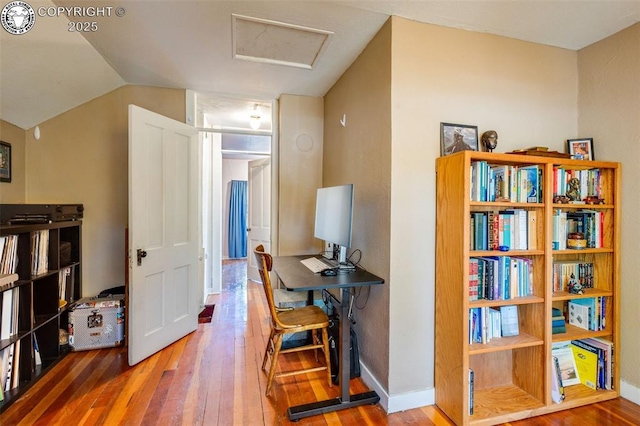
column 471, row 385
column 10, row 307
column 603, row 349
column 566, row 362
column 509, row 320
column 588, row 313
column 586, row 359
column 557, row 389
column 558, row 322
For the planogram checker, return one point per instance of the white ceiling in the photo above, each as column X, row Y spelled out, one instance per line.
column 188, row 44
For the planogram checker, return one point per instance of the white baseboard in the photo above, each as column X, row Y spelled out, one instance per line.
column 630, row 392
column 396, row 403
column 407, row 401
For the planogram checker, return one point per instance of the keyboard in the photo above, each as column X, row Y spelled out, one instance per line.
column 315, row 265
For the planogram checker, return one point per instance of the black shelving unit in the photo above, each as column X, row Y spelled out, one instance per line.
column 41, row 313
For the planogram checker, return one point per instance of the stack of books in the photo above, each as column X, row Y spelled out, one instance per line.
column 558, row 323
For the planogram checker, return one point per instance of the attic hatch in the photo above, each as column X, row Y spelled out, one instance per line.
column 273, row 42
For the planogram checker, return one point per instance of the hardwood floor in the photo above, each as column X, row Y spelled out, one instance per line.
column 213, row 377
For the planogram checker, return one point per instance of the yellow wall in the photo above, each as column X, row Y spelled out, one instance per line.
column 82, row 157
column 609, row 106
column 13, row 192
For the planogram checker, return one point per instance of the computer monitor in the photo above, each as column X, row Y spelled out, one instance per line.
column 334, row 217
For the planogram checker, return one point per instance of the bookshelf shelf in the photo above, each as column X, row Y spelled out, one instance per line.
column 489, row 405
column 34, row 314
column 592, row 292
column 577, row 333
column 512, row 376
column 476, row 253
column 522, row 340
column 515, row 301
column 506, row 204
column 584, row 206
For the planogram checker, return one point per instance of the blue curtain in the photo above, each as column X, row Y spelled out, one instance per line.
column 238, row 219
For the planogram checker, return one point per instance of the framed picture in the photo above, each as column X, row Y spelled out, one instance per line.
column 5, row 162
column 581, row 149
column 457, row 137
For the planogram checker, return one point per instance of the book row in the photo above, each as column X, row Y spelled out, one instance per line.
column 500, row 277
column 514, row 229
column 8, row 254
column 518, row 184
column 588, row 313
column 585, row 361
column 569, row 274
column 523, row 184
column 10, row 305
column 40, row 252
column 588, row 223
column 10, row 364
column 488, row 323
column 589, row 182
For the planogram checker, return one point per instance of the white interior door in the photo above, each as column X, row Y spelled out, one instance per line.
column 259, row 220
column 164, row 230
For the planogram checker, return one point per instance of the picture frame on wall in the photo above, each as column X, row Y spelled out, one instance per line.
column 581, row 149
column 457, row 137
column 5, row 162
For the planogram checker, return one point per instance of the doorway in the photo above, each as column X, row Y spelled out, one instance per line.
column 230, row 139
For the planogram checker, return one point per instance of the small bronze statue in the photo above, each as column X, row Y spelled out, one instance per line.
column 490, row 140
column 573, row 189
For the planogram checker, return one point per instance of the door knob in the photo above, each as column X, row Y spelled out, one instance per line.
column 141, row 254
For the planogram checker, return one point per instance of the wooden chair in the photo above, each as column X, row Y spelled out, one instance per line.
column 291, row 320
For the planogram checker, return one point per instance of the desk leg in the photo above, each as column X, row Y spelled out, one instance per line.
column 346, row 400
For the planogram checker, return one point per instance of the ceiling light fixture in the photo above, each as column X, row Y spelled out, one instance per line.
column 254, row 119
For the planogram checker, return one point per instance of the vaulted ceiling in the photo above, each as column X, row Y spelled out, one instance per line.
column 196, row 45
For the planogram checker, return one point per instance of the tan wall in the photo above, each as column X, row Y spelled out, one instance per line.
column 609, row 107
column 14, row 192
column 82, row 157
column 526, row 92
column 300, row 172
column 360, row 153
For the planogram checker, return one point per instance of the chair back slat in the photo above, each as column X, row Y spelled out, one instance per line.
column 265, row 263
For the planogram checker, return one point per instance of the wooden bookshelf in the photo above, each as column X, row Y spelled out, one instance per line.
column 40, row 312
column 512, row 375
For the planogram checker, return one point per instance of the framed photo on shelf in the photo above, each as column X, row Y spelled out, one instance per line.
column 581, row 149
column 457, row 137
column 5, row 162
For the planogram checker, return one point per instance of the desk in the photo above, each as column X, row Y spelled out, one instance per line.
column 297, row 277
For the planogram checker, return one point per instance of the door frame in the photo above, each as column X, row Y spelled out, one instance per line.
column 213, row 255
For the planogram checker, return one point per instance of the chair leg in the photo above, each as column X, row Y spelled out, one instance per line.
column 274, row 361
column 316, row 340
column 325, row 344
column 266, row 351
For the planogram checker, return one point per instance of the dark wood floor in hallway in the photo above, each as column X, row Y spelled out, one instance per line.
column 213, row 377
